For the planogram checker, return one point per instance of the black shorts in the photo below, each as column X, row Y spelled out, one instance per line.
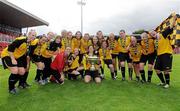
column 55, row 72
column 93, row 74
column 150, row 58
column 80, row 58
column 46, row 61
column 56, row 76
column 36, row 58
column 164, row 62
column 21, row 62
column 177, row 42
column 71, row 70
column 114, row 56
column 124, row 57
column 107, row 62
column 47, row 64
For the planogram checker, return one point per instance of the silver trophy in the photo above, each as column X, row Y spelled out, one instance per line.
column 93, row 60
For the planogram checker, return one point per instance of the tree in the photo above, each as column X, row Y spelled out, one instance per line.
column 140, row 31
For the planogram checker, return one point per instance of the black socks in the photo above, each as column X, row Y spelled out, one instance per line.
column 143, row 75
column 112, row 75
column 161, row 77
column 81, row 73
column 130, row 70
column 123, row 72
column 115, row 73
column 13, row 78
column 38, row 74
column 102, row 70
column 167, row 78
column 150, row 75
column 56, row 75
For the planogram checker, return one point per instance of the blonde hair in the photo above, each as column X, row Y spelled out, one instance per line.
column 144, row 35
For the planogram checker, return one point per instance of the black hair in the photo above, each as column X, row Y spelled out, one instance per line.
column 122, row 30
column 54, row 46
column 78, row 32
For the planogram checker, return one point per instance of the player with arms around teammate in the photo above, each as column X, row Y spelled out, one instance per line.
column 35, row 55
column 114, row 47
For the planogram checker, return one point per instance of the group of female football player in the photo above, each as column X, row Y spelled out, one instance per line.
column 57, row 57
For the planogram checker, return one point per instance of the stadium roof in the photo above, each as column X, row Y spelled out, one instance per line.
column 17, row 17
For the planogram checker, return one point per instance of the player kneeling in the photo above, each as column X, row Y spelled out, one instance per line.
column 75, row 67
column 57, row 67
column 91, row 65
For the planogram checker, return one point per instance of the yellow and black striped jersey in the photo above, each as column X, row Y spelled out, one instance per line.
column 148, row 45
column 164, row 42
column 19, row 47
column 36, row 48
column 123, row 44
column 105, row 54
column 45, row 52
column 74, row 62
column 135, row 52
column 114, row 46
column 34, row 42
column 84, row 45
column 76, row 43
column 49, row 49
column 66, row 43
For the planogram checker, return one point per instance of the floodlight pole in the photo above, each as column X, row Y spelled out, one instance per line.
column 81, row 3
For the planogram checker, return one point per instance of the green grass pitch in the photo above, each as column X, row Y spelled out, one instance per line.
column 110, row 95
